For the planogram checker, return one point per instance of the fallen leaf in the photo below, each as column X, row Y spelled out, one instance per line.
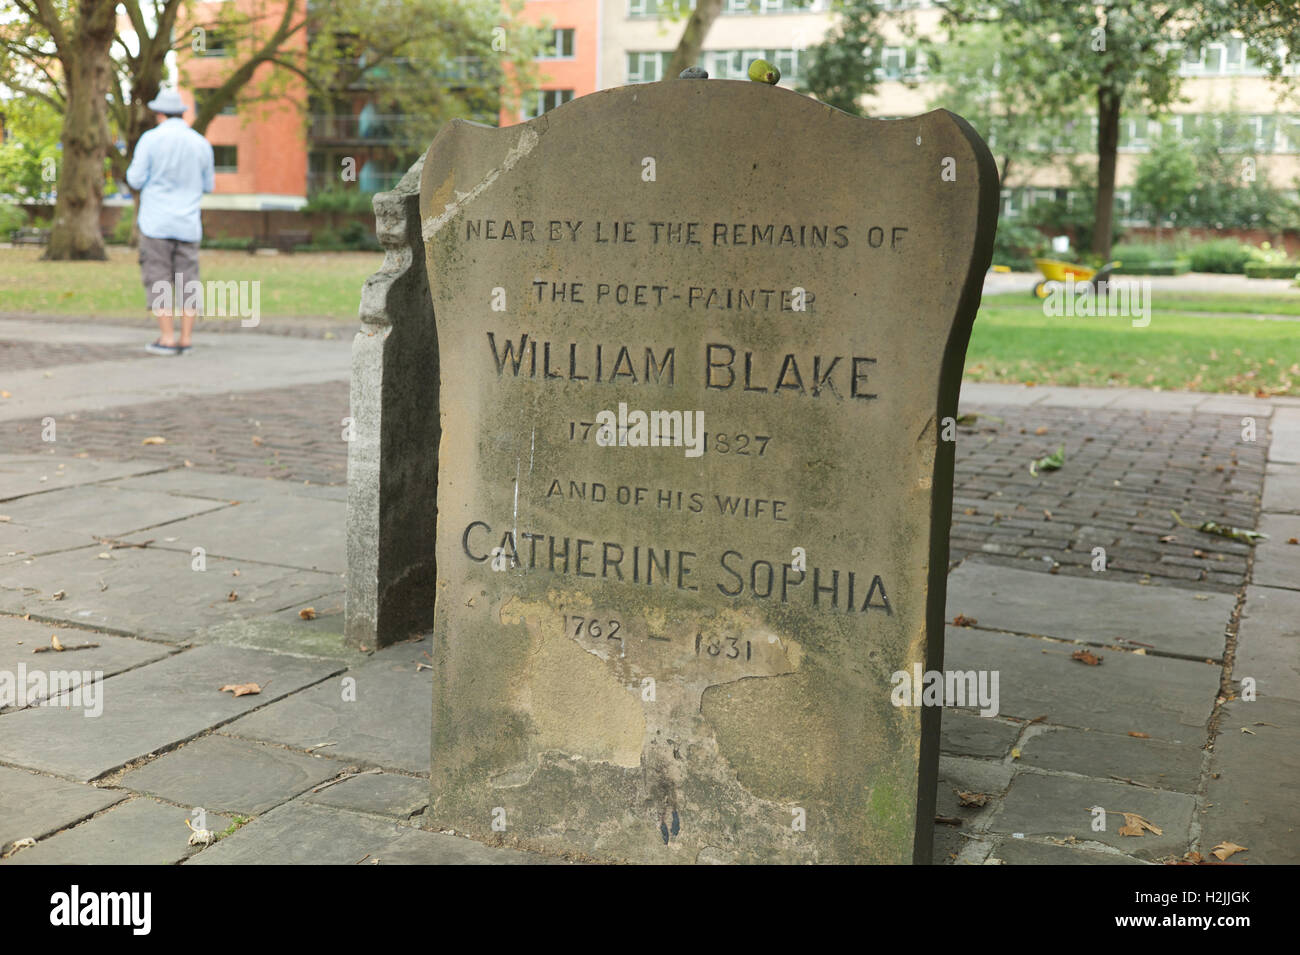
column 1168, row 539
column 1135, row 825
column 1293, row 540
column 1087, row 656
column 156, row 439
column 58, row 595
column 307, row 613
column 241, row 689
column 1136, row 735
column 54, row 642
column 971, row 800
column 961, row 620
column 5, row 518
column 232, row 597
column 257, row 440
column 1053, row 462
column 1225, row 849
column 1040, row 430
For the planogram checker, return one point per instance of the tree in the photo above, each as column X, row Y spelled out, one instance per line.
column 980, row 76
column 1112, row 54
column 842, row 68
column 691, row 44
column 69, row 41
column 63, row 54
column 1166, row 177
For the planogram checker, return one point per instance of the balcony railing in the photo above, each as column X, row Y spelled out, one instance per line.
column 358, row 128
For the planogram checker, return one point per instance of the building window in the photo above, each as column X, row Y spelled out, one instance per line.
column 646, row 67
column 225, row 158
column 558, row 46
column 541, row 101
column 201, row 97
column 214, row 42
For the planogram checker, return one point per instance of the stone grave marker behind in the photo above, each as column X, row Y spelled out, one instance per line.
column 685, row 652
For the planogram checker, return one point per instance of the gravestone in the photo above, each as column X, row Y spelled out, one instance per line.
column 697, row 341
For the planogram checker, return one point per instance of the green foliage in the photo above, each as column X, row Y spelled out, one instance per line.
column 842, row 68
column 123, row 227
column 1151, row 258
column 1276, row 270
column 1167, row 177
column 31, row 147
column 338, row 199
column 11, row 218
column 1220, row 255
column 1017, row 244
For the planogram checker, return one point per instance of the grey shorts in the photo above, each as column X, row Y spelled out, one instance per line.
column 164, row 263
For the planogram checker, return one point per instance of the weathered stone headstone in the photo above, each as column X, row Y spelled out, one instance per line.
column 394, row 411
column 684, row 652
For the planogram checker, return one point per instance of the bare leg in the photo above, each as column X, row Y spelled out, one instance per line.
column 187, row 327
column 166, row 336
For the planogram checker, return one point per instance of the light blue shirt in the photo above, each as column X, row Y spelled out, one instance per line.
column 171, row 170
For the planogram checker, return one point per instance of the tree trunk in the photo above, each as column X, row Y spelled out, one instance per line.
column 1108, row 103
column 75, row 233
column 692, row 41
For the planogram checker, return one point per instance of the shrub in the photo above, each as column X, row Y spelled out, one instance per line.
column 1272, row 270
column 11, row 219
column 1220, row 255
column 1017, row 244
column 1150, row 258
column 121, row 234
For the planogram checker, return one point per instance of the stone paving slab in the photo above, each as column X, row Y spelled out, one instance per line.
column 1268, row 643
column 287, row 632
column 152, row 592
column 1285, row 428
column 1167, row 698
column 33, row 806
column 20, row 542
column 1157, row 763
column 383, row 794
column 139, row 832
column 966, row 734
column 22, row 474
column 192, row 482
column 1172, row 620
column 1060, row 806
column 1252, row 802
column 389, row 725
column 1282, row 489
column 978, row 776
column 309, row 535
column 150, row 709
column 1277, row 563
column 300, row 833
column 1024, row 852
column 19, row 637
column 224, row 774
column 105, row 510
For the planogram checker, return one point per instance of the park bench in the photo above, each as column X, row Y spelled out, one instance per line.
column 30, row 236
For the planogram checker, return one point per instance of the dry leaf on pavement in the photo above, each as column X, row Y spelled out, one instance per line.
column 54, row 642
column 1086, row 656
column 156, row 439
column 1225, row 849
column 1136, row 735
column 961, row 620
column 971, row 800
column 241, row 689
column 307, row 613
column 1135, row 825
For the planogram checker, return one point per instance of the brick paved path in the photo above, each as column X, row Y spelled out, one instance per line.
column 1125, row 472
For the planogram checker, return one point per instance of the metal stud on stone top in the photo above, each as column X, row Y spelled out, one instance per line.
column 693, row 73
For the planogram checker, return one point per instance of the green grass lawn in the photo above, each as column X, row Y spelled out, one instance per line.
column 1167, row 301
column 1176, row 352
column 1013, row 340
column 317, row 284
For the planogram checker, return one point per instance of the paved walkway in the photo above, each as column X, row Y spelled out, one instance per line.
column 192, row 565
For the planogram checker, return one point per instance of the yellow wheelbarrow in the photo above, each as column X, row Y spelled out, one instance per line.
column 1055, row 273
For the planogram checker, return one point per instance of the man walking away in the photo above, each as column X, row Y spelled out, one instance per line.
column 171, row 170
